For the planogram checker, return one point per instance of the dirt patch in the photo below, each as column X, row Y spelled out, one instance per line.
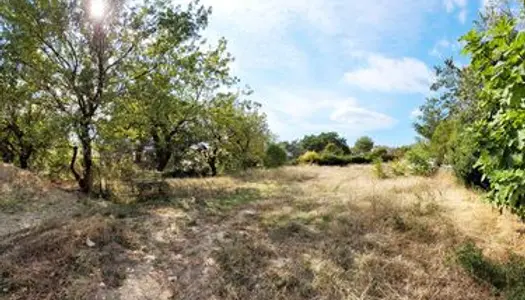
column 26, row 201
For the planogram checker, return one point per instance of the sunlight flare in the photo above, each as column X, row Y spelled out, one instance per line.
column 98, row 8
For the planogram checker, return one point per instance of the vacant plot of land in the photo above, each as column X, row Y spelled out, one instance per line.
column 292, row 233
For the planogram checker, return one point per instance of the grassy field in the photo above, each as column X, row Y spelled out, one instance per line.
column 291, row 233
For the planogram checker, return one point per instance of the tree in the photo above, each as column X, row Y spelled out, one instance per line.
column 27, row 126
column 293, row 148
column 446, row 116
column 332, row 148
column 364, row 144
column 319, row 142
column 437, row 109
column 497, row 57
column 172, row 100
column 275, row 156
column 80, row 61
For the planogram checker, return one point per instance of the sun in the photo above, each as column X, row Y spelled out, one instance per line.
column 97, row 8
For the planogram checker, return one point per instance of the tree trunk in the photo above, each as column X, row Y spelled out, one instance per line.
column 162, row 150
column 213, row 165
column 212, row 162
column 162, row 157
column 85, row 181
column 87, row 160
column 26, row 151
column 24, row 159
column 138, row 154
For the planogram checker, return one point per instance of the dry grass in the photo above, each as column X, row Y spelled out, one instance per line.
column 56, row 262
column 290, row 233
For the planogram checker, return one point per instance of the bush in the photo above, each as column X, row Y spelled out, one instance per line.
column 399, row 152
column 420, row 160
column 463, row 159
column 326, row 159
column 309, row 157
column 399, row 168
column 333, row 160
column 382, row 153
column 359, row 159
column 275, row 156
column 379, row 172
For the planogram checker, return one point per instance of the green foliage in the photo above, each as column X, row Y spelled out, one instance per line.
column 364, row 144
column 437, row 109
column 399, row 152
column 441, row 141
column 309, row 157
column 359, row 159
column 420, row 160
column 500, row 127
column 378, row 169
column 294, row 149
column 133, row 90
column 275, row 156
column 399, row 168
column 318, row 143
column 382, row 153
column 332, row 148
column 507, row 277
column 463, row 157
column 327, row 159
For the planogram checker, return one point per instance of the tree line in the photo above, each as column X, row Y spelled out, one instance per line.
column 95, row 95
column 476, row 123
column 331, row 149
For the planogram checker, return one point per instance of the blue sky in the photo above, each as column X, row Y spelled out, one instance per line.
column 352, row 66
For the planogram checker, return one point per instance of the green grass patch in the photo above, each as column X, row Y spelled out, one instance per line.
column 505, row 277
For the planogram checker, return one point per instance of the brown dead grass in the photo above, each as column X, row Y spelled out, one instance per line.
column 291, row 233
column 55, row 261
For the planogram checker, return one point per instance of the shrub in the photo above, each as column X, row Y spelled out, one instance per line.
column 309, row 157
column 399, row 168
column 463, row 159
column 399, row 152
column 333, row 160
column 275, row 156
column 382, row 153
column 326, row 159
column 420, row 160
column 359, row 159
column 379, row 171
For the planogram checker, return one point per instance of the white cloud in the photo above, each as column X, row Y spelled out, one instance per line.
column 405, row 75
column 295, row 112
column 356, row 116
column 305, row 43
column 261, row 32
